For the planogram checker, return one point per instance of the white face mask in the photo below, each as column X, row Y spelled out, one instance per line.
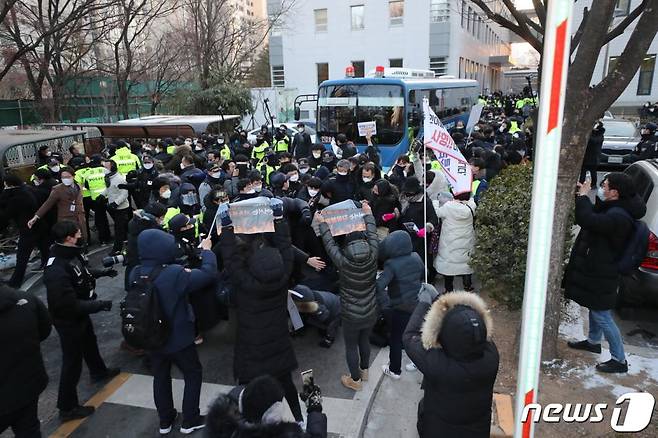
column 367, row 179
column 106, row 170
column 258, row 188
column 148, row 166
column 166, row 194
column 502, row 129
column 250, row 191
column 215, row 175
column 182, row 166
column 312, row 192
column 55, row 169
column 37, row 182
column 600, row 193
column 303, row 170
column 317, row 154
column 67, row 181
column 294, row 178
column 342, row 173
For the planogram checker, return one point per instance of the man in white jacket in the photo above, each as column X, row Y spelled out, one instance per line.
column 118, row 204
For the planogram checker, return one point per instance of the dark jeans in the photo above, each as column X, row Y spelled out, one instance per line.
column 24, row 422
column 357, row 350
column 592, row 169
column 121, row 219
column 449, row 282
column 78, row 342
column 100, row 220
column 399, row 321
column 187, row 361
column 26, row 242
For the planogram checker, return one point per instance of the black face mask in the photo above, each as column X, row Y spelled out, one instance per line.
column 189, row 235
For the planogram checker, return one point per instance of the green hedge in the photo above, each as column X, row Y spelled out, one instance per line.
column 501, row 231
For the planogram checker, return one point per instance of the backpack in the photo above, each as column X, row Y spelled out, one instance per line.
column 143, row 323
column 637, row 246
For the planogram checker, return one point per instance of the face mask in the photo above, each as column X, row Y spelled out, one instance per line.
column 312, row 192
column 166, row 194
column 367, row 180
column 501, row 129
column 67, row 181
column 294, row 178
column 37, row 182
column 600, row 194
column 148, row 166
column 189, row 235
column 250, row 192
column 188, row 143
column 258, row 188
column 303, row 170
column 106, row 170
column 301, row 129
column 215, row 175
column 342, row 173
column 48, row 154
column 198, row 148
column 316, row 155
column 189, row 198
column 182, row 166
column 55, row 169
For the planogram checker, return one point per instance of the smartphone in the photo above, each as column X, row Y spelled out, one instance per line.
column 411, row 227
column 307, row 377
column 588, row 177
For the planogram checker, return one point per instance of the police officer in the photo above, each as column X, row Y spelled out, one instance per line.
column 260, row 149
column 94, row 181
column 70, row 288
column 282, row 141
column 125, row 159
column 646, row 148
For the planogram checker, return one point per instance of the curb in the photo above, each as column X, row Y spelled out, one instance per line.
column 371, row 402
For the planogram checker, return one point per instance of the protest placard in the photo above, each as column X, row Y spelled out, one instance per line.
column 252, row 216
column 343, row 218
column 367, row 128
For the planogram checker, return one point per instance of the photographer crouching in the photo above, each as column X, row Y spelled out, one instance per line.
column 70, row 285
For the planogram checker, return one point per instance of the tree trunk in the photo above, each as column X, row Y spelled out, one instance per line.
column 122, row 92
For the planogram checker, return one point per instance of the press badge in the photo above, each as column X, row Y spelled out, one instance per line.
column 72, row 207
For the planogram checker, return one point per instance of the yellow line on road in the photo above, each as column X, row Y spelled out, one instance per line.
column 66, row 429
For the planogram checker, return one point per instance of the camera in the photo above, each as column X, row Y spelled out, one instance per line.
column 110, row 261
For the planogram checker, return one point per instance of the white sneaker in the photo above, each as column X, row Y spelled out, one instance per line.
column 411, row 367
column 390, row 373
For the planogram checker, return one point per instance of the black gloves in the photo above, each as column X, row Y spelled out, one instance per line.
column 112, row 206
column 312, row 396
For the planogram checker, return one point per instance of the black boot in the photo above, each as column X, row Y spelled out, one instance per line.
column 586, row 346
column 613, row 366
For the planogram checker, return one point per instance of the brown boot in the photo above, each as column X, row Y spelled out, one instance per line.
column 364, row 375
column 351, row 384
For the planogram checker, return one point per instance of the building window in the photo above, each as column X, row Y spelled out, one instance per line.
column 439, row 65
column 468, row 19
column 278, row 77
column 357, row 14
column 479, row 27
column 463, row 13
column 323, row 71
column 359, row 69
column 395, row 62
column 439, row 11
column 461, row 67
column 396, row 12
column 320, row 20
column 622, row 8
column 646, row 75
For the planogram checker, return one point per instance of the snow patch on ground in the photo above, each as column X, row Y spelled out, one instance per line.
column 572, row 324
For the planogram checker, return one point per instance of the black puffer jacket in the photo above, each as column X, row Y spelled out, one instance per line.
column 224, row 421
column 592, row 276
column 260, row 283
column 385, row 202
column 24, row 323
column 403, row 272
column 450, row 343
column 356, row 263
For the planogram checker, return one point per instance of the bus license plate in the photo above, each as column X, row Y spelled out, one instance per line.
column 615, row 160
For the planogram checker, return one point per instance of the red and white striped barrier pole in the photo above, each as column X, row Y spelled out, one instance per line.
column 555, row 60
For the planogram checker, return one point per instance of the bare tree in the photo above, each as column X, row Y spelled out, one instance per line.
column 583, row 104
column 129, row 41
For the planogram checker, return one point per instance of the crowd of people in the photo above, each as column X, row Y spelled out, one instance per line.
column 172, row 228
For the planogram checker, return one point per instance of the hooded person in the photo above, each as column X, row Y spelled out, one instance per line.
column 413, row 211
column 450, row 343
column 315, row 155
column 321, row 309
column 259, row 273
column 384, row 204
column 189, row 203
column 329, row 160
column 356, row 262
column 341, row 187
column 257, row 411
column 397, row 291
column 150, row 217
column 174, row 284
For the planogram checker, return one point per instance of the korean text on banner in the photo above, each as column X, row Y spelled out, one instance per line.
column 252, row 216
column 367, row 128
column 343, row 218
column 453, row 164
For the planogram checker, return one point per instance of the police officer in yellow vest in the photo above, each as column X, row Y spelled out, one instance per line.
column 125, row 159
column 260, row 149
column 281, row 140
column 94, row 182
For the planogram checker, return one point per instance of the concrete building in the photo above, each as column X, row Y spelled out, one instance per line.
column 320, row 38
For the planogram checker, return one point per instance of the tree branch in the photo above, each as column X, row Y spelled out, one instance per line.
column 540, row 10
column 504, row 22
column 621, row 27
column 575, row 40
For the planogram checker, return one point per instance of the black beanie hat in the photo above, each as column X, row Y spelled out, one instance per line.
column 258, row 396
column 157, row 209
column 411, row 185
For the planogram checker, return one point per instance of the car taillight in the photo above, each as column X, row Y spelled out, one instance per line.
column 651, row 259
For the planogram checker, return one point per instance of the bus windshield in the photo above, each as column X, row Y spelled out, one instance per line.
column 341, row 107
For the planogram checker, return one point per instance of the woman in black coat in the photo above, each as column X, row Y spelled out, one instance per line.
column 385, row 202
column 450, row 343
column 413, row 204
column 259, row 276
column 593, row 153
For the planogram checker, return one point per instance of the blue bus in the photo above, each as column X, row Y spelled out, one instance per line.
column 393, row 99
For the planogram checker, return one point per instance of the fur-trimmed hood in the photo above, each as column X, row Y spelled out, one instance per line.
column 459, row 323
